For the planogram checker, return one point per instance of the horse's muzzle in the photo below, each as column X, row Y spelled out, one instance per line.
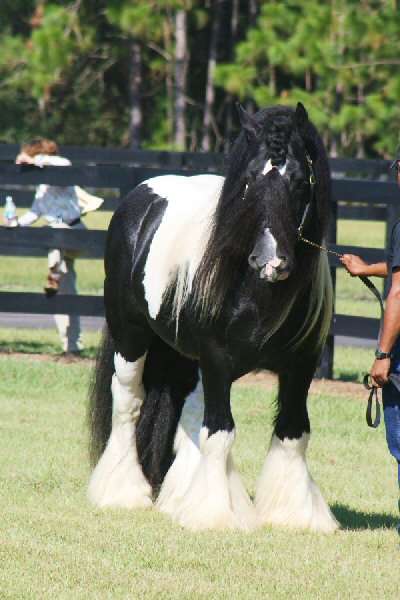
column 275, row 270
column 268, row 260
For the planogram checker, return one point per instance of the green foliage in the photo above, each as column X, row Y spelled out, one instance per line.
column 140, row 20
column 54, row 47
column 339, row 58
column 64, row 69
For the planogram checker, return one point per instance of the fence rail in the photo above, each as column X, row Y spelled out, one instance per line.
column 360, row 189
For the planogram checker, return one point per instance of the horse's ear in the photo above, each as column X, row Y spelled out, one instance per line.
column 300, row 116
column 248, row 123
column 301, row 120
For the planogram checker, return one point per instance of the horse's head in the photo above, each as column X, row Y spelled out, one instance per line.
column 279, row 182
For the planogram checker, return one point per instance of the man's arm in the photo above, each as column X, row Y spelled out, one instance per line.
column 390, row 331
column 357, row 266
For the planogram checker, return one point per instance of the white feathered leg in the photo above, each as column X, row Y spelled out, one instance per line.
column 187, row 451
column 118, row 479
column 286, row 492
column 215, row 498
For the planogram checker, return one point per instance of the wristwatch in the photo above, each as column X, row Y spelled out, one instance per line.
column 381, row 355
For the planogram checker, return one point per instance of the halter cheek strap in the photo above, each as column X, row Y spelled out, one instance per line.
column 312, row 195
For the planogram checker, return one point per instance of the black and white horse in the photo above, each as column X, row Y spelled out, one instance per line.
column 206, row 280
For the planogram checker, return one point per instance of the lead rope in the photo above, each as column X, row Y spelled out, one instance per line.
column 366, row 281
column 373, row 395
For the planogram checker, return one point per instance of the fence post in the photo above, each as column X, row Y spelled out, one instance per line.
column 325, row 367
column 129, row 184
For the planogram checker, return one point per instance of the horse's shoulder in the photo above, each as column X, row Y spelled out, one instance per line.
column 180, row 188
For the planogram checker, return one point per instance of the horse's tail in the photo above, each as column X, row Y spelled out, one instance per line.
column 100, row 398
column 168, row 379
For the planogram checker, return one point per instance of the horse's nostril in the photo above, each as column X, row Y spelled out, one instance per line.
column 284, row 262
column 253, row 261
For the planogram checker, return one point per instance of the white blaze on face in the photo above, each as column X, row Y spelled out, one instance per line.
column 271, row 247
column 269, row 271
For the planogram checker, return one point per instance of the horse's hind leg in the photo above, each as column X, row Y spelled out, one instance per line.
column 186, row 447
column 286, row 492
column 171, row 381
column 215, row 497
column 118, row 479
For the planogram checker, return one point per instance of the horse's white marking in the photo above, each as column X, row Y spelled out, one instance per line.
column 272, row 246
column 187, row 450
column 215, row 498
column 269, row 166
column 282, row 170
column 179, row 242
column 118, row 479
column 287, row 494
column 269, row 271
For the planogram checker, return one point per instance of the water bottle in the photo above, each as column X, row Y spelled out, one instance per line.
column 10, row 210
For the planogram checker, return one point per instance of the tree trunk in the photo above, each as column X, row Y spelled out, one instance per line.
column 230, row 101
column 359, row 134
column 210, row 90
column 135, row 84
column 168, row 28
column 253, row 11
column 222, row 27
column 181, row 64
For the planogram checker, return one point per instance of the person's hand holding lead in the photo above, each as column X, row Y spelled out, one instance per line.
column 380, row 372
column 354, row 264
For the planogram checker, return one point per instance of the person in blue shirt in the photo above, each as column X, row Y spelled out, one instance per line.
column 387, row 354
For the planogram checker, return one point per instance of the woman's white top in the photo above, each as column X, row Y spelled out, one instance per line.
column 55, row 204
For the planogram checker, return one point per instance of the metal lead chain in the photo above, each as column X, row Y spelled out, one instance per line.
column 323, row 248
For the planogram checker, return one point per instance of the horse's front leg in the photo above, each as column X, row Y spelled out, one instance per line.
column 286, row 492
column 216, row 497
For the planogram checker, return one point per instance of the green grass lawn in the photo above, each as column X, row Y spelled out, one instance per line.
column 54, row 545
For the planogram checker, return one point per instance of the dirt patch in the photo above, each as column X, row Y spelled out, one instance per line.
column 318, row 386
column 41, row 357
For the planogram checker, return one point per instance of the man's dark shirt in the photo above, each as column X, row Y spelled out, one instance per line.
column 393, row 262
column 393, row 250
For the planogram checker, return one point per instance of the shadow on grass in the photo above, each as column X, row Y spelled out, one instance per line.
column 348, row 376
column 28, row 347
column 36, row 347
column 354, row 519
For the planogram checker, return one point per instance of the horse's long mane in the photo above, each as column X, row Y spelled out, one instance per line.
column 237, row 220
